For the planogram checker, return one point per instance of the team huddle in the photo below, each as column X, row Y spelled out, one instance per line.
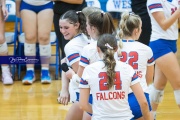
column 106, row 73
column 109, row 72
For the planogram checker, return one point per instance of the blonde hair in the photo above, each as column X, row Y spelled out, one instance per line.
column 129, row 21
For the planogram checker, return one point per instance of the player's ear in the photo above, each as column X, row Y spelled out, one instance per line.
column 98, row 49
column 77, row 25
column 135, row 31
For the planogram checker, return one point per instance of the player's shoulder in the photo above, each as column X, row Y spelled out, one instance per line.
column 120, row 63
column 97, row 64
column 122, row 66
column 81, row 39
column 91, row 46
column 94, row 67
column 149, row 2
column 142, row 46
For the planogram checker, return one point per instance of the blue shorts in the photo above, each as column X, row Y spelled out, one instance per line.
column 90, row 100
column 161, row 47
column 134, row 105
column 35, row 9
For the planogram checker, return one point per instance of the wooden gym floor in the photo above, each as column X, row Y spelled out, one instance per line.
column 38, row 101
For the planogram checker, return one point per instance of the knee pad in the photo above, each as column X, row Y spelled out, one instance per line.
column 45, row 50
column 177, row 96
column 156, row 96
column 3, row 48
column 29, row 49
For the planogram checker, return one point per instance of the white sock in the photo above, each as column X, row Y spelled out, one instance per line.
column 154, row 115
column 30, row 69
column 44, row 68
column 5, row 67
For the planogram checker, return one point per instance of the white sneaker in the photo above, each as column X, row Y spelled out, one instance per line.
column 7, row 77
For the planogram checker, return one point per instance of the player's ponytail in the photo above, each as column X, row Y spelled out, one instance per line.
column 82, row 21
column 108, row 45
column 102, row 21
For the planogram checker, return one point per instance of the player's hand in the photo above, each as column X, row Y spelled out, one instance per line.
column 64, row 97
column 5, row 12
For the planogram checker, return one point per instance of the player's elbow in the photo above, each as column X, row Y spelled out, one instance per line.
column 164, row 28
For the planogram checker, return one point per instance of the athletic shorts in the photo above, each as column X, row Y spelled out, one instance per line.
column 161, row 47
column 35, row 9
column 90, row 100
column 134, row 105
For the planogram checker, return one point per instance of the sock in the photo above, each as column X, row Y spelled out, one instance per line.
column 44, row 68
column 5, row 68
column 154, row 115
column 30, row 69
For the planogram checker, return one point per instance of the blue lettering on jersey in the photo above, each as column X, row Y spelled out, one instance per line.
column 8, row 6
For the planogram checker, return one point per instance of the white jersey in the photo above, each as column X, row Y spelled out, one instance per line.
column 36, row 2
column 74, row 47
column 73, row 52
column 168, row 7
column 109, row 104
column 89, row 54
column 139, row 56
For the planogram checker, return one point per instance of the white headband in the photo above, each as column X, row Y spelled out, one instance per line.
column 108, row 46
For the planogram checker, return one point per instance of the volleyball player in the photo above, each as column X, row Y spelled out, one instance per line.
column 6, row 74
column 37, row 19
column 73, row 27
column 164, row 16
column 109, row 81
column 138, row 55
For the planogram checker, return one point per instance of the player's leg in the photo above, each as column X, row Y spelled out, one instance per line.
column 6, row 75
column 170, row 67
column 135, row 107
column 29, row 19
column 74, row 113
column 45, row 20
column 86, row 116
column 30, row 29
column 157, row 89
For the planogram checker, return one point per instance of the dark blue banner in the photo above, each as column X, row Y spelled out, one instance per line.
column 24, row 60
